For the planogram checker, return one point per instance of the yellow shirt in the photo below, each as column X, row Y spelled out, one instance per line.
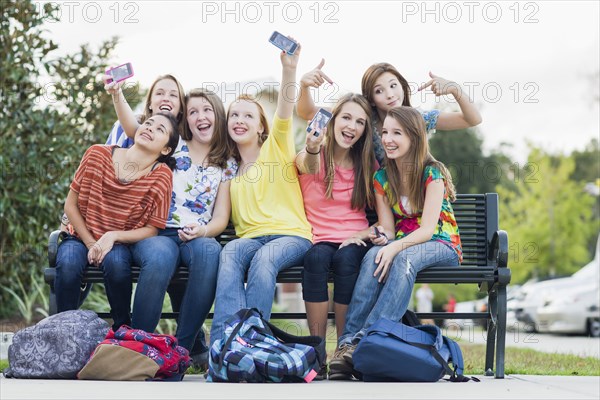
column 267, row 200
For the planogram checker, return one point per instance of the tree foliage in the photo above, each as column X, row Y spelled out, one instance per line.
column 548, row 217
column 472, row 172
column 52, row 110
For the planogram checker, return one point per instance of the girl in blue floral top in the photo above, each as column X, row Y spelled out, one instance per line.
column 199, row 211
column 200, row 208
column 385, row 88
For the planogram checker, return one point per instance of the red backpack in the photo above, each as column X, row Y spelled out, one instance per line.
column 172, row 360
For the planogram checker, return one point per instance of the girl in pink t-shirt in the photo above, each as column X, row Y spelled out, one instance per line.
column 336, row 170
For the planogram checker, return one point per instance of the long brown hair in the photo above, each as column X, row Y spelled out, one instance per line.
column 418, row 157
column 221, row 144
column 262, row 118
column 361, row 153
column 373, row 73
column 179, row 117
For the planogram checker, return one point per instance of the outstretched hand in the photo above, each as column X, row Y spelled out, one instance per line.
column 441, row 86
column 290, row 61
column 113, row 87
column 315, row 77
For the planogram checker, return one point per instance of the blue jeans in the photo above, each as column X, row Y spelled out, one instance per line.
column 262, row 258
column 372, row 300
column 155, row 274
column 201, row 257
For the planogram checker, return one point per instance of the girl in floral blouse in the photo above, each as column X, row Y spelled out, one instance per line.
column 412, row 197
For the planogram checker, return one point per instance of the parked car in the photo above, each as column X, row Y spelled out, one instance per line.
column 563, row 294
column 571, row 310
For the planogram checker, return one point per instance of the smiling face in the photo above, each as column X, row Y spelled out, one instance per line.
column 395, row 139
column 154, row 134
column 244, row 122
column 349, row 125
column 387, row 92
column 200, row 119
column 165, row 97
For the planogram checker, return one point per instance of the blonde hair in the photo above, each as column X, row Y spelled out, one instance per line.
column 262, row 137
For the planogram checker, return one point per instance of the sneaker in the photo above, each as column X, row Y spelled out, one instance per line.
column 338, row 365
column 322, row 374
column 347, row 355
column 200, row 360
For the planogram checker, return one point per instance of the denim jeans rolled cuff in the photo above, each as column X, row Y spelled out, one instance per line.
column 372, row 300
column 262, row 258
column 116, row 268
column 201, row 257
column 157, row 258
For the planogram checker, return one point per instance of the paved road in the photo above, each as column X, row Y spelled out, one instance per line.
column 194, row 387
column 549, row 343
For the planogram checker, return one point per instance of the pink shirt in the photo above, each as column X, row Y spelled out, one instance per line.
column 333, row 220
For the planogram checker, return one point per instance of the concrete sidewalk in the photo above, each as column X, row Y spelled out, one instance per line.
column 194, row 387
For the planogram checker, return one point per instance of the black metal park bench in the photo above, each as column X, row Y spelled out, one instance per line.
column 485, row 263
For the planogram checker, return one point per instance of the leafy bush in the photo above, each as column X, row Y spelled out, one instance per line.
column 52, row 109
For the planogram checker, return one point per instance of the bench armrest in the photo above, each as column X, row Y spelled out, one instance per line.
column 498, row 255
column 53, row 241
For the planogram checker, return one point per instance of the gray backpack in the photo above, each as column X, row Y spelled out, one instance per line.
column 57, row 347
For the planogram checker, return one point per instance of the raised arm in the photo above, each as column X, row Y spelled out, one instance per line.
column 306, row 107
column 287, row 92
column 467, row 117
column 308, row 161
column 124, row 112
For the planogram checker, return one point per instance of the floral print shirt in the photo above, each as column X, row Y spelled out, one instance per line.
column 430, row 118
column 407, row 221
column 195, row 188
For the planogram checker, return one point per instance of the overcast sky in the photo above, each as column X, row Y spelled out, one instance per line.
column 527, row 65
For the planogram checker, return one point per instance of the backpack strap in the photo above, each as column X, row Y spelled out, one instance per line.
column 315, row 342
column 457, row 362
column 392, row 329
column 247, row 314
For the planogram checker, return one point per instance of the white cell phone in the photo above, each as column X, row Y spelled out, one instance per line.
column 319, row 121
column 283, row 42
column 120, row 73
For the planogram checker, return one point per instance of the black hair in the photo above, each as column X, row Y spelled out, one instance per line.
column 173, row 141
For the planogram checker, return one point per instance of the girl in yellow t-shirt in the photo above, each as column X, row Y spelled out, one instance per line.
column 266, row 204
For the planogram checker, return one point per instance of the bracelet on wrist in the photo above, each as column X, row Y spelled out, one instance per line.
column 314, row 154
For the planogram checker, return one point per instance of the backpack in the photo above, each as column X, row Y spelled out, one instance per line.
column 253, row 350
column 393, row 351
column 57, row 347
column 134, row 354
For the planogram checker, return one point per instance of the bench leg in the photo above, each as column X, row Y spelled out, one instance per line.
column 491, row 332
column 52, row 301
column 501, row 336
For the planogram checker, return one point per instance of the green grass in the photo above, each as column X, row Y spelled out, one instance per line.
column 3, row 365
column 531, row 362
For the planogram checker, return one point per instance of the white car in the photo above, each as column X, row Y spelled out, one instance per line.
column 571, row 310
column 535, row 296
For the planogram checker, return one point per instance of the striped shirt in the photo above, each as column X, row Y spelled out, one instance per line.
column 108, row 204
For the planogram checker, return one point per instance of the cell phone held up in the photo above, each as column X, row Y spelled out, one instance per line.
column 120, row 73
column 319, row 121
column 283, row 42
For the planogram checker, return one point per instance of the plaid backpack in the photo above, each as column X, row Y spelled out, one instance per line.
column 253, row 350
